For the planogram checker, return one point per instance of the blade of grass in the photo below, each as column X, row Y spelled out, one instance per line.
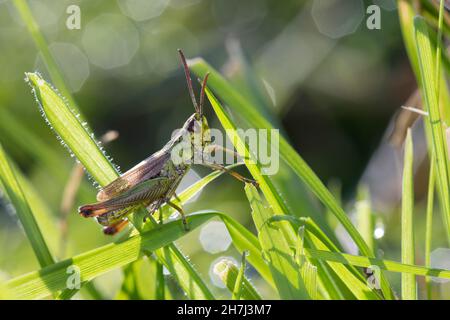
column 408, row 280
column 365, row 218
column 27, row 219
column 71, row 131
column 276, row 248
column 239, row 282
column 229, row 273
column 42, row 213
column 438, row 47
column 129, row 289
column 160, row 282
column 308, row 270
column 366, row 262
column 309, row 274
column 430, row 91
column 429, row 223
column 244, row 78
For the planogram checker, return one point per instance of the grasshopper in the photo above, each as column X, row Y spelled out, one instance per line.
column 153, row 182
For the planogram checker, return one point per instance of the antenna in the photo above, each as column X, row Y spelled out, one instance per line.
column 202, row 93
column 189, row 81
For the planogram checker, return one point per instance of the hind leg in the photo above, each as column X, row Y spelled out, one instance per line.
column 180, row 210
column 115, row 227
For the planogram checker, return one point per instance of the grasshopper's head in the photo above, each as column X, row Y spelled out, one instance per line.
column 196, row 125
column 198, row 130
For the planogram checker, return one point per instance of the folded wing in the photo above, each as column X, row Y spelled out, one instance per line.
column 147, row 169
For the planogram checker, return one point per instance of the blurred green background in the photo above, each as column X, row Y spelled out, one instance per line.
column 334, row 84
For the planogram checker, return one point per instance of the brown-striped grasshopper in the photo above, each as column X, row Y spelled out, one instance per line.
column 153, row 182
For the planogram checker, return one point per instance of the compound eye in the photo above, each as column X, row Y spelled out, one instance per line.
column 191, row 126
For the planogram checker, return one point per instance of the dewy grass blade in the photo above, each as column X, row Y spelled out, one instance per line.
column 91, row 264
column 83, row 145
column 18, row 199
column 408, row 280
column 430, row 90
column 71, row 131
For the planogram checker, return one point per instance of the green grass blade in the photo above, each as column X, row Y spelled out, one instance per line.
column 42, row 213
column 307, row 269
column 94, row 263
column 409, row 291
column 439, row 46
column 160, row 282
column 266, row 185
column 276, row 248
column 229, row 274
column 365, row 262
column 237, row 290
column 71, row 130
column 365, row 218
column 139, row 281
column 430, row 91
column 429, row 222
column 27, row 219
column 406, row 17
column 309, row 274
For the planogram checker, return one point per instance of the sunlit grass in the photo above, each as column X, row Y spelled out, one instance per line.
column 293, row 250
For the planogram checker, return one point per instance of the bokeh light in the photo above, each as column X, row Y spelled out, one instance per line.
column 335, row 18
column 141, row 10
column 214, row 237
column 440, row 259
column 73, row 63
column 118, row 37
column 214, row 271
